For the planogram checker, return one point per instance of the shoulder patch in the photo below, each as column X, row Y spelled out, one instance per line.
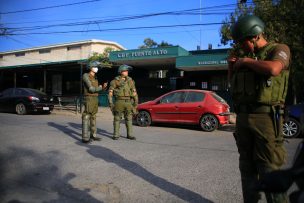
column 283, row 54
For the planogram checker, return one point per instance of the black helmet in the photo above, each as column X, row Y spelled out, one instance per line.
column 247, row 26
column 123, row 68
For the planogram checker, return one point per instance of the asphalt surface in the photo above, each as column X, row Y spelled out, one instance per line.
column 42, row 159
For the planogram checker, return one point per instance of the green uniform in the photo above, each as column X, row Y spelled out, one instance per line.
column 123, row 100
column 258, row 99
column 91, row 89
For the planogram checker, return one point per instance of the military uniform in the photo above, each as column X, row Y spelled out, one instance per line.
column 123, row 100
column 91, row 89
column 258, row 101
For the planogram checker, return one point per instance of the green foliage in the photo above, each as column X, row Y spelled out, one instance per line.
column 150, row 43
column 103, row 58
column 284, row 24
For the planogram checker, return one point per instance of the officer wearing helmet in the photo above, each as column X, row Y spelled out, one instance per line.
column 91, row 89
column 123, row 100
column 259, row 81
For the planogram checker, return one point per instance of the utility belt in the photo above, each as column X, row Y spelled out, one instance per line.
column 257, row 109
column 126, row 99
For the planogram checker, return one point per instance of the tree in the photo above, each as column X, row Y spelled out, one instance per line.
column 103, row 58
column 284, row 24
column 150, row 43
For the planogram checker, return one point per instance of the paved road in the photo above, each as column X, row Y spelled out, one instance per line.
column 42, row 159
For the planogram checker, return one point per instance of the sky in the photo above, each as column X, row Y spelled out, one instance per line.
column 128, row 22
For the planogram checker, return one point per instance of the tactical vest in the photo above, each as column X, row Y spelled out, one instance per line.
column 94, row 83
column 249, row 87
column 123, row 88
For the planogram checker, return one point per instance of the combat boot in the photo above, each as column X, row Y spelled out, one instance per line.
column 85, row 128
column 94, row 129
column 116, row 125
column 129, row 130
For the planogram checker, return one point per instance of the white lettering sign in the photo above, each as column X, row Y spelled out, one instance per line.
column 143, row 53
column 212, row 62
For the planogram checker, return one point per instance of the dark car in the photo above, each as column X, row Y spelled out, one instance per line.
column 188, row 106
column 25, row 100
column 294, row 126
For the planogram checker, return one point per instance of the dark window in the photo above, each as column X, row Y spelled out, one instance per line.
column 1, row 56
column 218, row 98
column 73, row 47
column 7, row 92
column 20, row 54
column 177, row 97
column 44, row 51
column 195, row 97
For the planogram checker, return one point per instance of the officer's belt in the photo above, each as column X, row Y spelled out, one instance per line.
column 255, row 109
column 123, row 98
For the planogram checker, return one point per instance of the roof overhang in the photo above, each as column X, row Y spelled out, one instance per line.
column 161, row 56
column 41, row 65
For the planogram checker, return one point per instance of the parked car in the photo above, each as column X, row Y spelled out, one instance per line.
column 294, row 126
column 187, row 106
column 25, row 100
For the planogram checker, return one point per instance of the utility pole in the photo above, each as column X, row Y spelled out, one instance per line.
column 200, row 26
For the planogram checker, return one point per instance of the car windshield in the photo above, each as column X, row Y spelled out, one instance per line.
column 218, row 98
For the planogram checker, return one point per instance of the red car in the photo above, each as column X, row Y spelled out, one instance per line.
column 188, row 106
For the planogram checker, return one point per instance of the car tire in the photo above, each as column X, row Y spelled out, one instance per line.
column 143, row 119
column 291, row 128
column 209, row 123
column 20, row 109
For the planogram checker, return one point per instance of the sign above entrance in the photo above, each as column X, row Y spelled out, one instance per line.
column 152, row 53
column 215, row 61
column 158, row 52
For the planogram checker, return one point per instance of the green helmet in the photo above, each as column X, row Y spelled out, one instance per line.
column 93, row 64
column 247, row 26
column 123, row 68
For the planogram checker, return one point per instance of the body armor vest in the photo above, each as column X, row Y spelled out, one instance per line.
column 123, row 88
column 94, row 83
column 249, row 87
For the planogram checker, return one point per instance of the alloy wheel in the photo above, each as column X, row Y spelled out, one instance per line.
column 143, row 119
column 209, row 122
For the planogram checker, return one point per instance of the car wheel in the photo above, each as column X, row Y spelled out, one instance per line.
column 209, row 123
column 291, row 128
column 143, row 119
column 20, row 109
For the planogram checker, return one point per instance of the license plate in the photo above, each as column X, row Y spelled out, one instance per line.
column 45, row 108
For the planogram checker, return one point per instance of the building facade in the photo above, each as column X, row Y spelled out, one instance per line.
column 54, row 69
column 58, row 69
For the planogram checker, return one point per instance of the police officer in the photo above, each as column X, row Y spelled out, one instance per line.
column 259, row 86
column 91, row 89
column 125, row 101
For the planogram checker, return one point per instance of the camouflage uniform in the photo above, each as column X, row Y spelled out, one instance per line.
column 123, row 101
column 258, row 99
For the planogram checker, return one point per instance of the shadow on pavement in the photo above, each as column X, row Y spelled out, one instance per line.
column 99, row 131
column 134, row 168
column 28, row 176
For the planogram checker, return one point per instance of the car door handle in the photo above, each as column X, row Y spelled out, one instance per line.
column 199, row 106
column 176, row 107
